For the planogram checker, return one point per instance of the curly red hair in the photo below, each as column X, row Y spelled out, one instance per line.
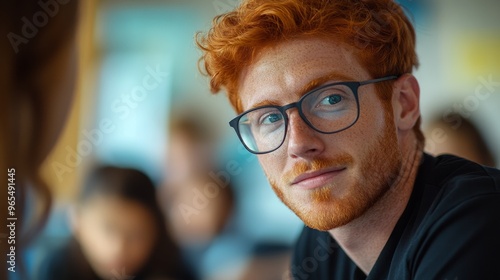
column 382, row 37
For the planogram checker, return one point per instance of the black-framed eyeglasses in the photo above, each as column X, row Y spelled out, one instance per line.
column 328, row 109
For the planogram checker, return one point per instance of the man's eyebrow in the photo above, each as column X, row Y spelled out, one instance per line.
column 265, row 103
column 323, row 79
column 308, row 87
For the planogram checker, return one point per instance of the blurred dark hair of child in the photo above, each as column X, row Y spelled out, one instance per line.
column 118, row 232
column 455, row 134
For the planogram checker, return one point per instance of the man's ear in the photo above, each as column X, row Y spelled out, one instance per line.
column 405, row 102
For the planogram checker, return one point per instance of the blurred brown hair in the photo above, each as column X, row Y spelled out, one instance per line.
column 37, row 77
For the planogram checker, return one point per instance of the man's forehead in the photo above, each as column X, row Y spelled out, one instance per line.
column 295, row 67
column 311, row 85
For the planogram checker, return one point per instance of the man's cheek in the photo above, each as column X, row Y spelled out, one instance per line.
column 274, row 163
column 266, row 167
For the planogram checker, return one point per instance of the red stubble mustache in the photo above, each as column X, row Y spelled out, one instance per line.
column 316, row 165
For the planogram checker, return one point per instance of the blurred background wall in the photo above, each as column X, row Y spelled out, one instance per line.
column 138, row 65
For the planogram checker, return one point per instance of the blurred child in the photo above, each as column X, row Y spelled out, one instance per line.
column 118, row 233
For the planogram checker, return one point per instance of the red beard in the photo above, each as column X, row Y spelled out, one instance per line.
column 337, row 204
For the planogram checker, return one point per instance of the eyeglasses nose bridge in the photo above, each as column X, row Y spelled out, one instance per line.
column 285, row 108
column 290, row 106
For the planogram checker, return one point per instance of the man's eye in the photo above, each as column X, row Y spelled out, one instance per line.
column 331, row 100
column 271, row 118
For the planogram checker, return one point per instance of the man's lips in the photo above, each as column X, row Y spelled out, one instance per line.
column 311, row 180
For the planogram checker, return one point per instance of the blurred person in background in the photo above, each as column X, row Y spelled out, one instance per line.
column 454, row 134
column 326, row 98
column 118, row 232
column 37, row 79
column 192, row 146
column 191, row 158
column 197, row 220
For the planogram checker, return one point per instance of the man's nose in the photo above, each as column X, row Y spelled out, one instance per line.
column 303, row 140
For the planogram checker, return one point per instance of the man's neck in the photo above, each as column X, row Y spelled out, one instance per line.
column 364, row 238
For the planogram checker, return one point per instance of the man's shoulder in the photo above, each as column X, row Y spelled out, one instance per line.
column 461, row 202
column 449, row 168
column 457, row 180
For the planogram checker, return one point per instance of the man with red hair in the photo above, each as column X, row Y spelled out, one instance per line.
column 327, row 101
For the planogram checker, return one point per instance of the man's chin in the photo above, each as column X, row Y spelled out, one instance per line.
column 325, row 216
column 325, row 224
column 322, row 210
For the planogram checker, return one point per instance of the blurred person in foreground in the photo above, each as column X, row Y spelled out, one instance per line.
column 37, row 80
column 454, row 134
column 327, row 101
column 118, row 232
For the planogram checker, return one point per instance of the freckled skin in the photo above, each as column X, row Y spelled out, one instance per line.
column 278, row 74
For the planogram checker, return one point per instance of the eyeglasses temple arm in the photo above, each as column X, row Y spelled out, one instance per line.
column 378, row 80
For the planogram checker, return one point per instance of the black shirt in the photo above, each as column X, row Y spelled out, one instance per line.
column 450, row 230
